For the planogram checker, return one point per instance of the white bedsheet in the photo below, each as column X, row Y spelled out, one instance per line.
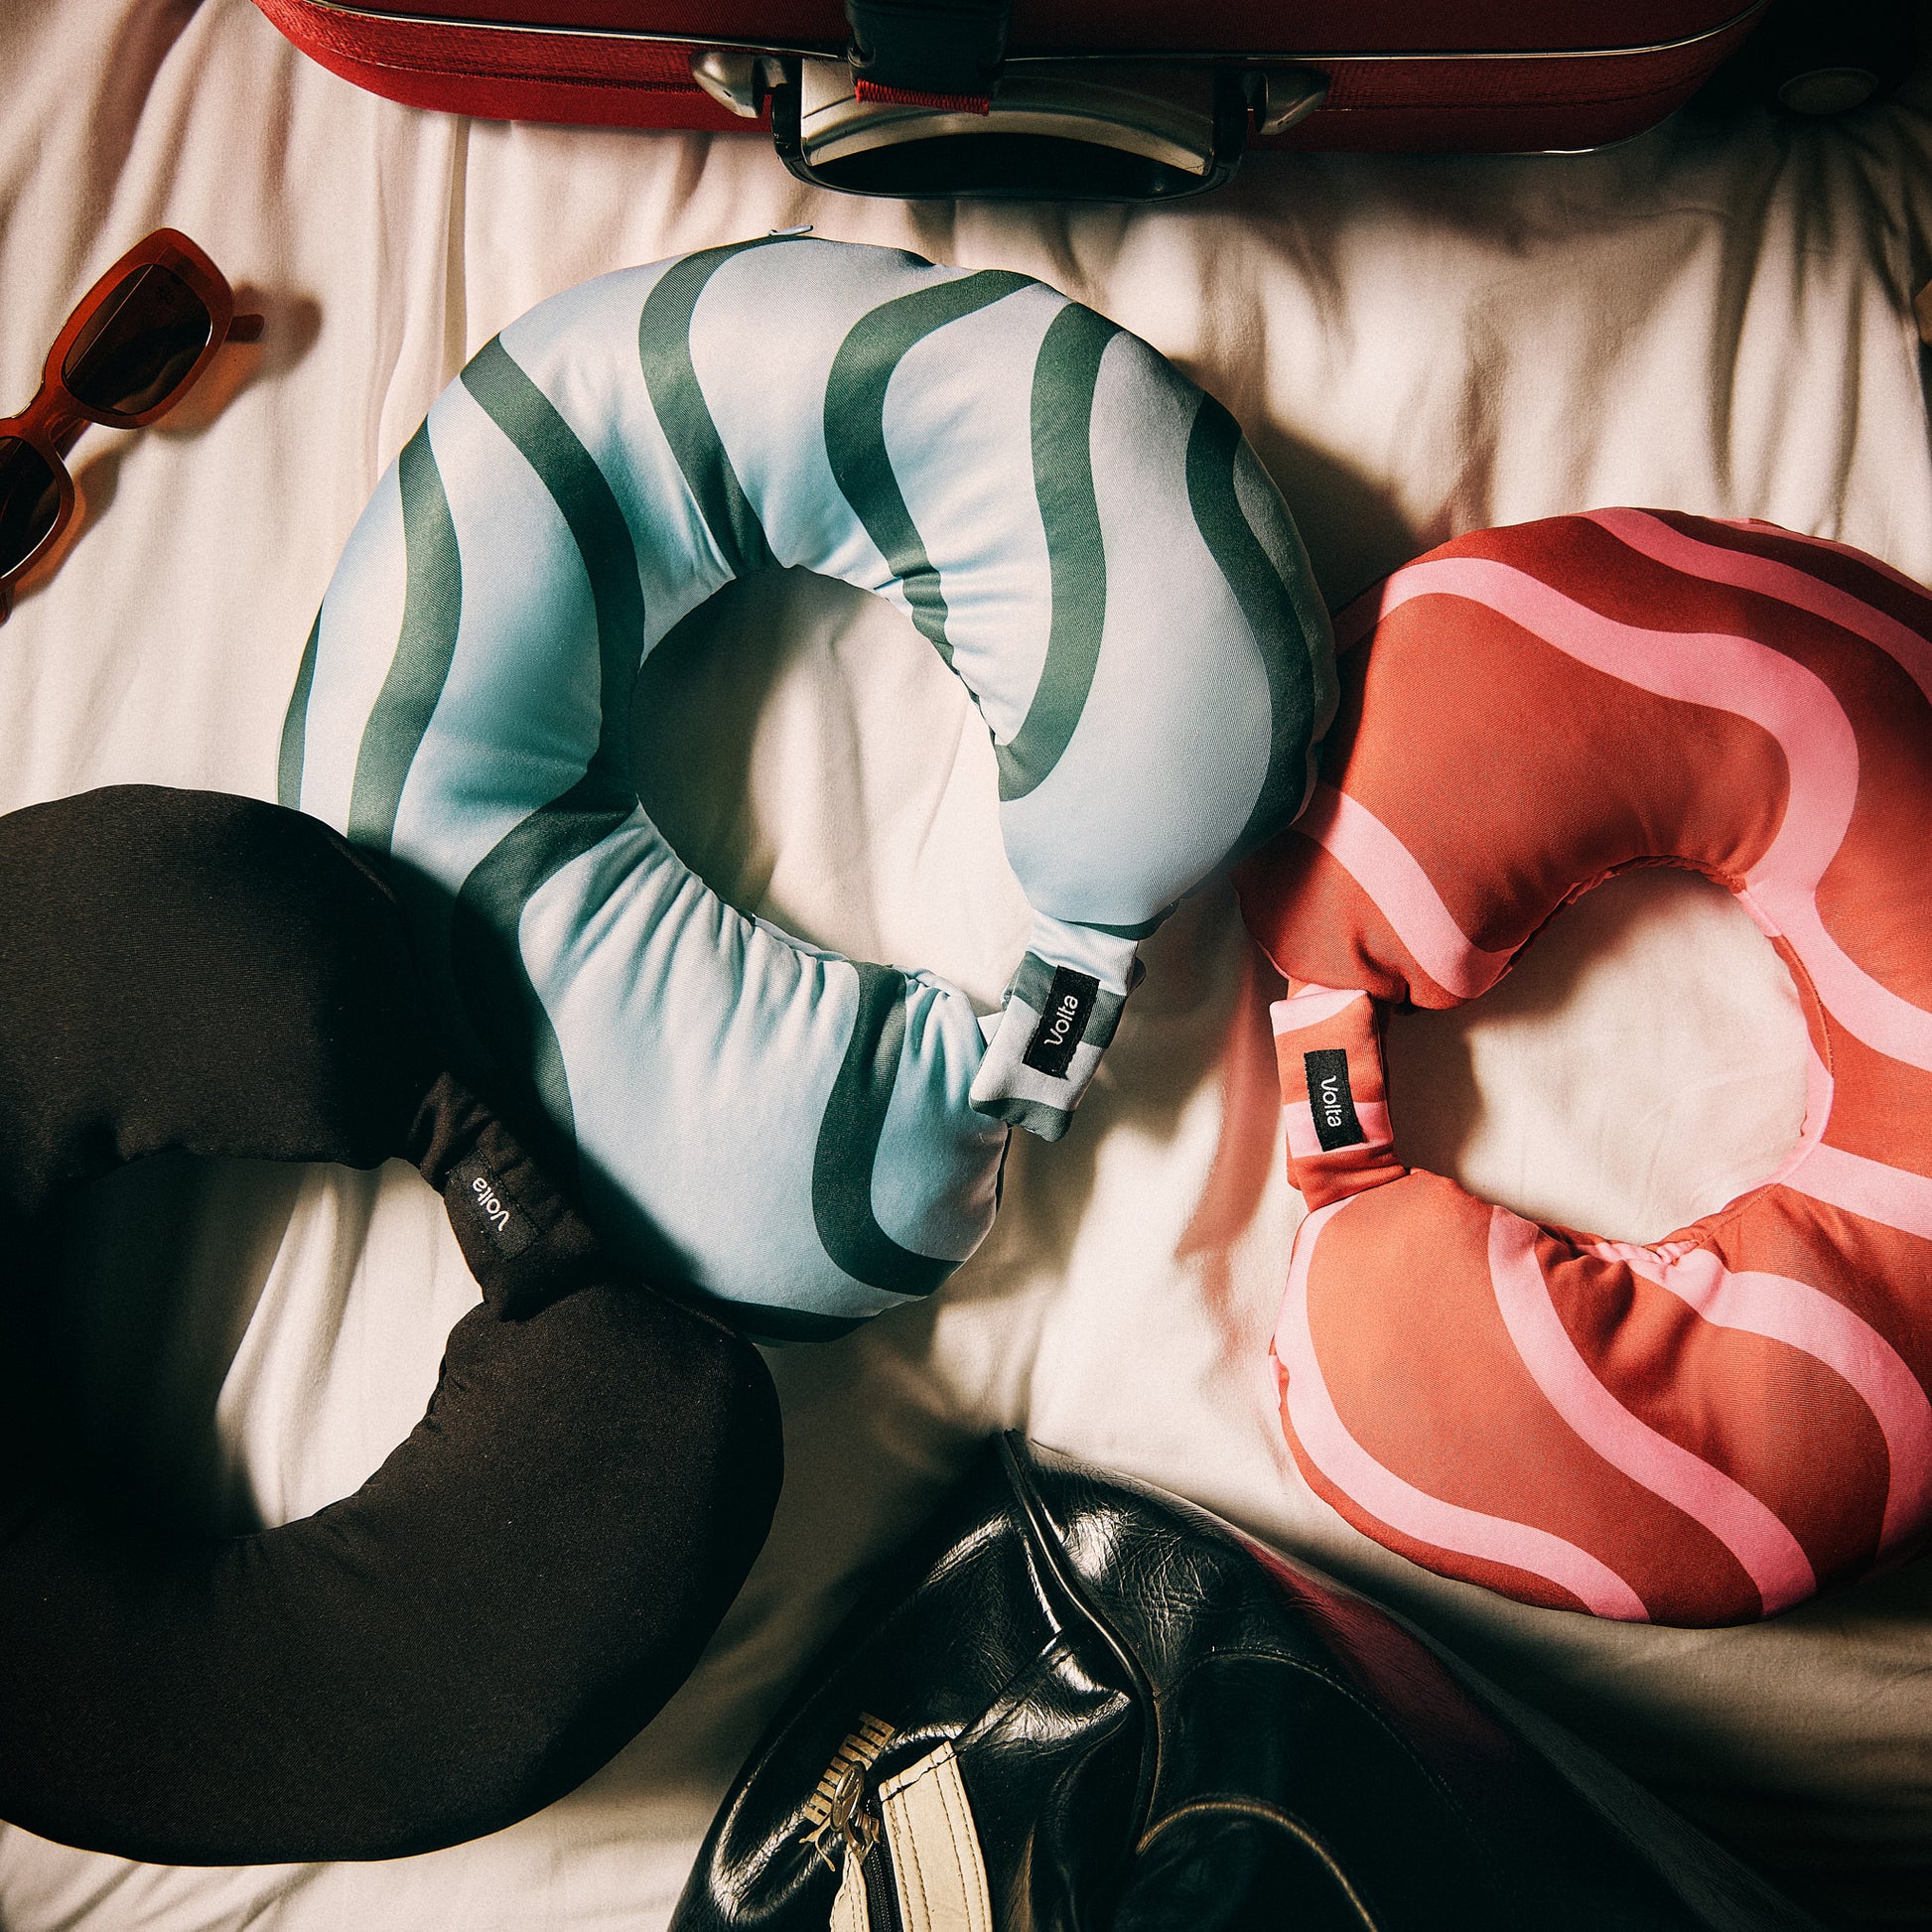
column 1713, row 317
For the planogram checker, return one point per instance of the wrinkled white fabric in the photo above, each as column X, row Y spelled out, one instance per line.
column 1714, row 318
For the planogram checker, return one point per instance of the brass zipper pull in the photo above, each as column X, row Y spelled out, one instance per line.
column 850, row 1819
column 835, row 1808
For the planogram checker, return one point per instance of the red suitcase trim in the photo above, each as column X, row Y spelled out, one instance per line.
column 568, row 75
column 609, row 75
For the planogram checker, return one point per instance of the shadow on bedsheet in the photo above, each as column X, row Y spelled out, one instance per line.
column 1852, row 1664
column 291, row 325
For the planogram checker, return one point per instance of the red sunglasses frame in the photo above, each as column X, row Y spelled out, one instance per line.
column 52, row 423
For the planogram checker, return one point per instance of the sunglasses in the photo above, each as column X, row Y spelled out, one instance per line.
column 136, row 343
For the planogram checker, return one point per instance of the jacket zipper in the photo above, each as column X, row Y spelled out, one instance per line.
column 882, row 1894
column 865, row 1845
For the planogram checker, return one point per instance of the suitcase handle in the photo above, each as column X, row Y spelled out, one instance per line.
column 950, row 50
column 1061, row 131
column 926, row 106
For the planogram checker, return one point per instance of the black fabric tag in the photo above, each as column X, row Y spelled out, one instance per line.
column 508, row 1228
column 1069, row 1001
column 1329, row 1099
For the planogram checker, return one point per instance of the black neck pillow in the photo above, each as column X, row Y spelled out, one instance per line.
column 524, row 1580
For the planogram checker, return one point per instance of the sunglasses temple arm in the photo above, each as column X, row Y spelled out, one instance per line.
column 245, row 328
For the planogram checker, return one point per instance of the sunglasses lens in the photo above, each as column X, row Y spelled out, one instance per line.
column 30, row 500
column 139, row 344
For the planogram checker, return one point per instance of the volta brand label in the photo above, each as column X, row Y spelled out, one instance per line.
column 1329, row 1099
column 490, row 1208
column 1069, row 1000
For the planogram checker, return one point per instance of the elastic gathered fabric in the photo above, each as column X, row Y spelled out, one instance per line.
column 524, row 1580
column 1082, row 535
column 1709, row 1428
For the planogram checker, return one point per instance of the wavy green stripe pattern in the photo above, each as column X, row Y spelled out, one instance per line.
column 848, row 1146
column 295, row 724
column 855, row 1113
column 488, row 965
column 432, row 609
column 671, row 380
column 1065, row 376
column 854, row 428
column 1214, row 447
column 1140, row 929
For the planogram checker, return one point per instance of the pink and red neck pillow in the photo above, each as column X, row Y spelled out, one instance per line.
column 1702, row 1429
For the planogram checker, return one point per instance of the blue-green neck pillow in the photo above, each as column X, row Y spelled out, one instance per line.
column 1081, row 534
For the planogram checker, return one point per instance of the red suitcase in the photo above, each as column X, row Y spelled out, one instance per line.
column 1099, row 99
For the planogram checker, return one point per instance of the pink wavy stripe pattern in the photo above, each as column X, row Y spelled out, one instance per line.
column 1388, row 872
column 1410, row 1511
column 1372, row 1116
column 1310, row 1006
column 1743, row 570
column 1877, row 565
column 1894, row 1197
column 1772, row 691
column 1805, row 1317
column 1766, row 1550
